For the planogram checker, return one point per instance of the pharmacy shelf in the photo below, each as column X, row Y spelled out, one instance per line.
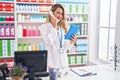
column 11, row 22
column 81, row 53
column 81, row 18
column 45, row 13
column 7, row 1
column 76, row 54
column 7, row 38
column 76, row 22
column 31, row 22
column 37, row 39
column 32, row 37
column 77, row 65
column 77, row 13
column 7, row 12
column 72, row 2
column 6, row 57
column 81, row 36
column 32, row 3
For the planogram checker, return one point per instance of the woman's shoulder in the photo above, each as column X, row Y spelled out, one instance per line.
column 47, row 25
column 44, row 24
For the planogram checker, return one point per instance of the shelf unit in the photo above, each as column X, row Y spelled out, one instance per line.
column 7, row 28
column 77, row 14
column 7, row 32
column 28, row 16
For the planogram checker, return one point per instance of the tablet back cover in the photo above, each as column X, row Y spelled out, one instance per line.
column 73, row 30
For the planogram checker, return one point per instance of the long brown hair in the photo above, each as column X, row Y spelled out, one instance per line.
column 62, row 22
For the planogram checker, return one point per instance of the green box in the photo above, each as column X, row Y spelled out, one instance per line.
column 83, row 9
column 70, row 8
column 1, row 52
column 76, row 8
column 75, row 59
column 72, row 59
column 69, row 60
column 81, row 59
column 78, row 59
column 0, row 18
column 9, row 48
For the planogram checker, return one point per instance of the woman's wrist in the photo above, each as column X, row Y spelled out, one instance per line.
column 71, row 42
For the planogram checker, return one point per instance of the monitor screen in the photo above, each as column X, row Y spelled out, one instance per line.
column 34, row 59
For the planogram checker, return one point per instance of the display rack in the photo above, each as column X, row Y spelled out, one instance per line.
column 25, row 18
column 30, row 15
column 7, row 31
column 77, row 14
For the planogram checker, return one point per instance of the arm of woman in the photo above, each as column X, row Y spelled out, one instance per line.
column 49, row 33
column 69, row 43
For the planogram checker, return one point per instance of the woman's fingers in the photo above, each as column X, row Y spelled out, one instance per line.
column 73, row 38
column 54, row 21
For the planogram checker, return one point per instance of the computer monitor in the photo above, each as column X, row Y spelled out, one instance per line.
column 35, row 61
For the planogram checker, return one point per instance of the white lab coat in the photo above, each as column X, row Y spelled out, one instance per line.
column 52, row 44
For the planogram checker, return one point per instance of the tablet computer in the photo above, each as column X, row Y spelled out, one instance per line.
column 73, row 30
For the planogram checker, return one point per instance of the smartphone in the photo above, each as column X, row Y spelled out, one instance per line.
column 51, row 14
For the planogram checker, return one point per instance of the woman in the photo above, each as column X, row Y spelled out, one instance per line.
column 54, row 31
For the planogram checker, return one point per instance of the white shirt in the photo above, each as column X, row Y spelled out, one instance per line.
column 52, row 44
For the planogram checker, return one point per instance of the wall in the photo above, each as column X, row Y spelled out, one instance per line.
column 93, row 30
column 117, row 37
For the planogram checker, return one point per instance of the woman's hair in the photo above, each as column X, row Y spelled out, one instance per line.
column 62, row 22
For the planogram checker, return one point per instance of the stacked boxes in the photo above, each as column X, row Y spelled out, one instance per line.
column 76, row 8
column 7, row 30
column 10, row 62
column 81, row 59
column 7, row 48
column 82, row 45
column 6, row 6
column 42, row 1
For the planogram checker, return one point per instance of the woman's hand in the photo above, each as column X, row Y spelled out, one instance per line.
column 73, row 39
column 54, row 21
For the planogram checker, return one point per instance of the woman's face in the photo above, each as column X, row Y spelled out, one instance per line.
column 58, row 13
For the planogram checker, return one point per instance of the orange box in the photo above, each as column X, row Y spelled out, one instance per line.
column 41, row 0
column 18, row 0
column 26, row 0
column 9, row 9
column 12, row 9
column 3, row 4
column 45, row 7
column 1, row 8
column 22, row 1
column 49, row 1
column 33, row 1
column 9, row 4
column 0, row 4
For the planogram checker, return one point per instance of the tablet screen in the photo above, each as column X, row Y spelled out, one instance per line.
column 73, row 30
